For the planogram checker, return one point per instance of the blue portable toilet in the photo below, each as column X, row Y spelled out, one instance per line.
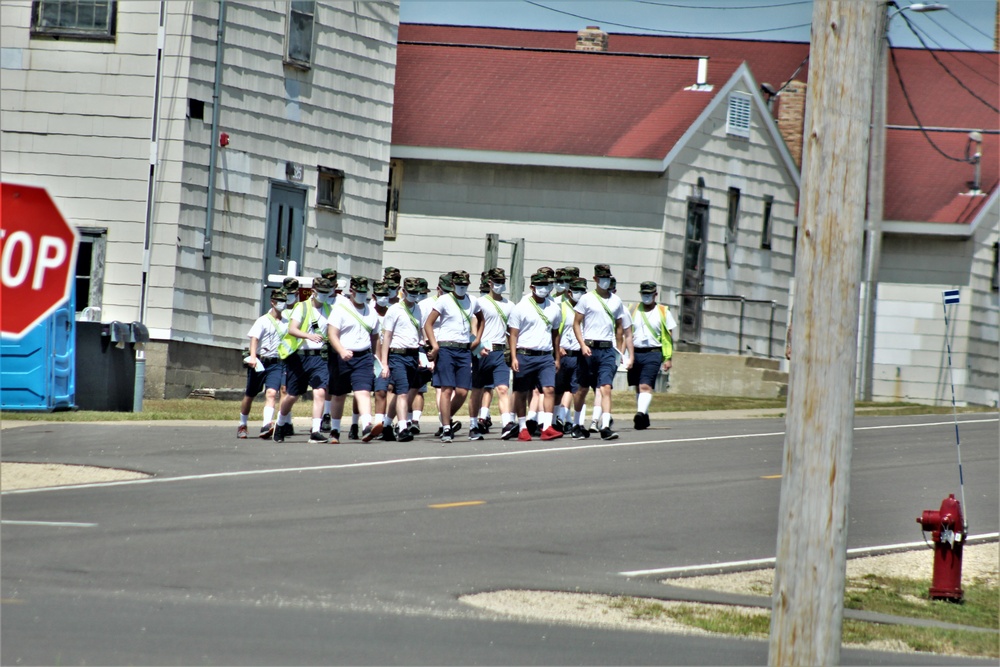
column 38, row 371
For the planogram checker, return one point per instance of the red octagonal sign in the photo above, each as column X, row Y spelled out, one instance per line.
column 37, row 258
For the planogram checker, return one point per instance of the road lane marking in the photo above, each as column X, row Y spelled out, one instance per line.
column 58, row 524
column 750, row 564
column 466, row 503
column 456, row 457
column 771, row 477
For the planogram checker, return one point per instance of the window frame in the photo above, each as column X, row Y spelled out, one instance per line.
column 995, row 277
column 76, row 33
column 97, row 239
column 732, row 224
column 294, row 8
column 336, row 177
column 766, row 228
column 394, row 191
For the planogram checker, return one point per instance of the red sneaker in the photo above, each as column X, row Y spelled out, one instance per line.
column 241, row 432
column 524, row 435
column 551, row 434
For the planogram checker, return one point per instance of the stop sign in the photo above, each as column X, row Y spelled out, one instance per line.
column 37, row 258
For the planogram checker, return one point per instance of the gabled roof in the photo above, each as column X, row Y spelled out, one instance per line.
column 548, row 102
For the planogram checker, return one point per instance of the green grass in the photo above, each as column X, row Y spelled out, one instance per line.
column 887, row 595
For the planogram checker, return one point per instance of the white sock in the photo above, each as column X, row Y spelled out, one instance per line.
column 268, row 415
column 409, row 416
column 521, row 422
column 505, row 418
column 484, row 413
column 379, row 418
column 316, row 422
column 243, row 419
column 284, row 419
column 387, row 421
column 606, row 420
column 597, row 412
column 415, row 416
column 545, row 420
column 532, row 416
column 326, row 408
column 365, row 421
column 643, row 401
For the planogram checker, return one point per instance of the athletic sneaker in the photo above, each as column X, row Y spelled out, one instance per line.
column 326, row 425
column 532, row 427
column 640, row 421
column 486, row 424
column 289, row 430
column 414, row 428
column 557, row 424
column 279, row 433
column 266, row 431
column 405, row 435
column 475, row 433
column 489, row 421
column 445, row 436
column 388, row 434
column 317, row 438
column 456, row 427
column 608, row 434
column 334, row 437
column 352, row 434
column 593, row 426
column 551, row 433
column 524, row 435
column 580, row 433
column 509, row 431
column 241, row 432
column 567, row 428
column 371, row 431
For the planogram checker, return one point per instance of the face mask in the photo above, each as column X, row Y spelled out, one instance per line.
column 498, row 287
column 278, row 306
column 291, row 299
column 542, row 291
column 359, row 298
column 322, row 298
column 460, row 290
column 412, row 298
column 578, row 295
column 561, row 287
column 393, row 293
column 382, row 301
column 646, row 298
column 604, row 283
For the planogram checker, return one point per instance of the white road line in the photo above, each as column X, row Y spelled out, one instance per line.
column 456, row 457
column 58, row 524
column 748, row 564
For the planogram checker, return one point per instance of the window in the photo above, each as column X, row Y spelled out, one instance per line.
column 732, row 225
column 330, row 189
column 78, row 19
column 995, row 278
column 298, row 43
column 765, row 229
column 90, row 268
column 392, row 198
column 738, row 116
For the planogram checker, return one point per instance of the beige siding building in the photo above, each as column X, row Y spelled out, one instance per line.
column 116, row 115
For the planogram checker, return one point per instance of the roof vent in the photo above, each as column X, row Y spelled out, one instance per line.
column 701, row 82
column 591, row 38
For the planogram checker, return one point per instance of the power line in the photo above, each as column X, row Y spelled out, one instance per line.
column 792, row 77
column 909, row 103
column 943, row 66
column 726, row 7
column 666, row 32
column 951, row 53
column 970, row 25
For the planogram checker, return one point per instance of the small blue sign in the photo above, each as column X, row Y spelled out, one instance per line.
column 951, row 296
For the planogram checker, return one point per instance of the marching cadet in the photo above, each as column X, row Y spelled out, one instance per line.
column 597, row 325
column 384, row 400
column 264, row 335
column 325, row 425
column 568, row 383
column 400, row 354
column 393, row 278
column 451, row 349
column 353, row 331
column 303, row 349
column 534, row 354
column 424, row 303
column 493, row 368
column 653, row 343
column 560, row 292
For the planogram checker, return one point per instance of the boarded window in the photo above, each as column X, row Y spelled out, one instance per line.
column 392, row 198
column 995, row 279
column 330, row 189
column 765, row 229
column 79, row 19
column 738, row 116
column 301, row 14
column 732, row 225
column 89, row 273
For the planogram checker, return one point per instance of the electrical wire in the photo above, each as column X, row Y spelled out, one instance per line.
column 909, row 103
column 970, row 25
column 792, row 77
column 943, row 66
column 667, row 32
column 726, row 7
column 951, row 52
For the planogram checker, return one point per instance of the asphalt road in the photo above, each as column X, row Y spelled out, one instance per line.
column 254, row 553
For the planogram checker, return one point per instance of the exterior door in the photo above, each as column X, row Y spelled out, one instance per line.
column 283, row 242
column 694, row 273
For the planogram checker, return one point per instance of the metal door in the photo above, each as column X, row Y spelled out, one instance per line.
column 694, row 273
column 283, row 242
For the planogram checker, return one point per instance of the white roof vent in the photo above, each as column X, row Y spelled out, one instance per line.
column 738, row 115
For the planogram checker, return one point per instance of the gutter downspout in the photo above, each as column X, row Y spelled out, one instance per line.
column 214, row 154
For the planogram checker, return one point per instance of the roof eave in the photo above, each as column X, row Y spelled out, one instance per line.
column 527, row 159
column 955, row 230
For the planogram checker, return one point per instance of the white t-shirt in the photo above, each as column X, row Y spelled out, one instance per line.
column 533, row 331
column 456, row 316
column 399, row 320
column 353, row 335
column 597, row 325
column 318, row 316
column 426, row 306
column 494, row 325
column 568, row 339
column 268, row 331
column 642, row 336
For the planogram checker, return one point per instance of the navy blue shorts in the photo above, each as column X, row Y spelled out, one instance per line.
column 490, row 372
column 645, row 368
column 356, row 374
column 382, row 384
column 568, row 375
column 270, row 377
column 453, row 368
column 304, row 372
column 599, row 368
column 404, row 372
column 534, row 372
column 333, row 368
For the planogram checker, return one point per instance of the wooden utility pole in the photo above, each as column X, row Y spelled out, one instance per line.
column 808, row 599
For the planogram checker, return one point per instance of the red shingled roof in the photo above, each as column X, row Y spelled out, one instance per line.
column 551, row 102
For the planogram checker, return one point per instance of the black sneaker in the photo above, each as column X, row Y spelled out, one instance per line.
column 414, row 428
column 456, row 427
column 438, row 433
column 326, row 425
column 567, row 428
column 475, row 433
column 532, row 427
column 289, row 430
column 405, row 435
column 608, row 434
column 445, row 436
column 334, row 437
column 580, row 433
column 559, row 425
column 481, row 424
column 489, row 423
column 509, row 431
column 279, row 433
column 388, row 434
column 317, row 438
column 352, row 434
column 640, row 421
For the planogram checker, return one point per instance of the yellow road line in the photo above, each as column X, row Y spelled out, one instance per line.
column 771, row 477
column 467, row 503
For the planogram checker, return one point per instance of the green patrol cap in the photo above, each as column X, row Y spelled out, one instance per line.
column 392, row 272
column 647, row 287
column 424, row 287
column 412, row 285
column 602, row 271
column 359, row 283
column 278, row 295
column 322, row 285
column 578, row 284
column 547, row 271
column 541, row 278
column 329, row 274
column 567, row 273
column 460, row 277
column 290, row 285
column 380, row 288
column 446, row 283
column 497, row 275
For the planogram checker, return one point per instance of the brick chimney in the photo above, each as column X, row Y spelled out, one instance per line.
column 792, row 117
column 592, row 38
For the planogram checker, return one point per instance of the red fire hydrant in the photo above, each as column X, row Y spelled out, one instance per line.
column 948, row 531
